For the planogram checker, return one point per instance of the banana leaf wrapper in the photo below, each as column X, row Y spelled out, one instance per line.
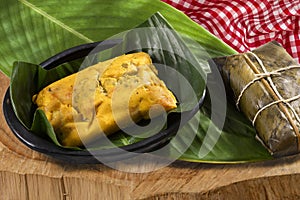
column 275, row 123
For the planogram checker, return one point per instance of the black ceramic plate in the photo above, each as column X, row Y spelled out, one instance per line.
column 88, row 157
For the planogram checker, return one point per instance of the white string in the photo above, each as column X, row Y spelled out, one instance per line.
column 267, row 75
column 273, row 103
column 259, row 77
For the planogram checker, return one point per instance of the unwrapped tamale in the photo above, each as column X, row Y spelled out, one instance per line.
column 122, row 89
column 265, row 84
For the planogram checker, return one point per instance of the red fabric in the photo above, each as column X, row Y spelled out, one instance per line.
column 245, row 25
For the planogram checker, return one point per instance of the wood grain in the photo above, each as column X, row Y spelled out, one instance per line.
column 26, row 174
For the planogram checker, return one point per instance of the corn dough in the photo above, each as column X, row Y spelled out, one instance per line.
column 103, row 97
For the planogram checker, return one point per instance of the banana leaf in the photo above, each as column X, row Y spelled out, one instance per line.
column 236, row 134
column 33, row 30
column 169, row 54
column 234, row 143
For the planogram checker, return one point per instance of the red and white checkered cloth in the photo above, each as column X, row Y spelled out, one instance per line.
column 245, row 25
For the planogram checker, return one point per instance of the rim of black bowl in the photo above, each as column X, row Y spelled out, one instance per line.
column 108, row 155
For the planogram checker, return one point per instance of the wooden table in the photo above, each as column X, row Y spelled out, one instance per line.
column 26, row 174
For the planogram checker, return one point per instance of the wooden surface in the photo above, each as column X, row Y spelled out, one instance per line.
column 25, row 174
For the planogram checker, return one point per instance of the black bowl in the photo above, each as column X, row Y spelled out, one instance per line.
column 175, row 120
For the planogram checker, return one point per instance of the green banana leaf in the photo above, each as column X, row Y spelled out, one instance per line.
column 236, row 134
column 236, row 143
column 179, row 60
column 34, row 30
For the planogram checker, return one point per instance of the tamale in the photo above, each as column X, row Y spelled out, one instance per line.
column 92, row 101
column 265, row 84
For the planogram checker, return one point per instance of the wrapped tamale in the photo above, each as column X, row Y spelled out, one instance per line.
column 102, row 95
column 265, row 85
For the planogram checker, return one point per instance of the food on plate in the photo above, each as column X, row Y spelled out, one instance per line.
column 104, row 97
column 266, row 87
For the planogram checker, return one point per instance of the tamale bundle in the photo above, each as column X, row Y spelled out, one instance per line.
column 91, row 102
column 265, row 85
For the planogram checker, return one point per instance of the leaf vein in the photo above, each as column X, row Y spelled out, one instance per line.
column 56, row 21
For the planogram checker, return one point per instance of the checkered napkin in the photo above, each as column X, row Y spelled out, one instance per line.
column 245, row 25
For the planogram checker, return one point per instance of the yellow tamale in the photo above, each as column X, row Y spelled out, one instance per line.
column 115, row 92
